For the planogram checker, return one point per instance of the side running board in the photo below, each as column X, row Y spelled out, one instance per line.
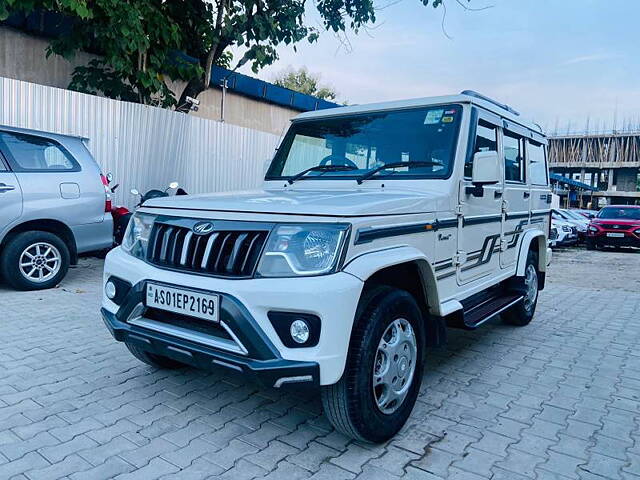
column 484, row 311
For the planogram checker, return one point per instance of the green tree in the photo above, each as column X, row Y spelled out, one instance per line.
column 137, row 39
column 304, row 82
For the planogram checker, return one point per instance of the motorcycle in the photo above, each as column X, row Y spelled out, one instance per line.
column 120, row 214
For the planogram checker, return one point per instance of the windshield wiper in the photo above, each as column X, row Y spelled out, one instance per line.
column 371, row 173
column 320, row 168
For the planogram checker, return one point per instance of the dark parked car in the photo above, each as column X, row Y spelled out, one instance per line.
column 615, row 225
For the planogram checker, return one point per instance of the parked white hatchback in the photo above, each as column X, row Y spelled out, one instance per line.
column 378, row 226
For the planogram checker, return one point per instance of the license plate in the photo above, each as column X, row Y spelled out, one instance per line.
column 615, row 234
column 186, row 302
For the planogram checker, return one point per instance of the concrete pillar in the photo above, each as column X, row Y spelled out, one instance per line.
column 610, row 180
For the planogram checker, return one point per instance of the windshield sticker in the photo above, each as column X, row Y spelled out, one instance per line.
column 450, row 112
column 433, row 117
column 448, row 119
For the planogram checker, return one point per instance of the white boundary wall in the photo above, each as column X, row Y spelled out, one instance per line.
column 143, row 147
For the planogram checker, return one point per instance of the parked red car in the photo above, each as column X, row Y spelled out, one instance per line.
column 615, row 225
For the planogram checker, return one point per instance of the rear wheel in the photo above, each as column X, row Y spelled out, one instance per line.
column 380, row 384
column 157, row 361
column 34, row 260
column 522, row 312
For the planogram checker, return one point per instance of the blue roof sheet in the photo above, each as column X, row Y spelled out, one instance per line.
column 259, row 89
column 570, row 181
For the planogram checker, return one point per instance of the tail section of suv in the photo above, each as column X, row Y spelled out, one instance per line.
column 377, row 227
column 616, row 226
column 52, row 206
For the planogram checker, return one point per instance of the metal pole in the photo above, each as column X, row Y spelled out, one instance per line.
column 222, row 99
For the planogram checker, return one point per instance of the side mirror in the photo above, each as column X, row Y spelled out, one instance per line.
column 109, row 177
column 134, row 192
column 486, row 171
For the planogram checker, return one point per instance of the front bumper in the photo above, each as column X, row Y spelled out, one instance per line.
column 273, row 372
column 247, row 303
column 629, row 240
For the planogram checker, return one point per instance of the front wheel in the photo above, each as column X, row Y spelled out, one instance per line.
column 522, row 312
column 591, row 244
column 380, row 384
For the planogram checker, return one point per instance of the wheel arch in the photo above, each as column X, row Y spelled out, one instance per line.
column 533, row 240
column 408, row 269
column 55, row 227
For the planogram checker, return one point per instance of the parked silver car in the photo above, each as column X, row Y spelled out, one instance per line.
column 53, row 206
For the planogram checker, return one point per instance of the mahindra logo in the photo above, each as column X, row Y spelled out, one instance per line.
column 616, row 226
column 202, row 228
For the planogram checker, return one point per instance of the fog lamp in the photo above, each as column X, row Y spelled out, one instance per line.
column 299, row 331
column 110, row 290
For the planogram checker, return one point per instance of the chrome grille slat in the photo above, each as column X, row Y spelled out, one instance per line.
column 185, row 247
column 255, row 238
column 227, row 253
column 207, row 250
column 234, row 252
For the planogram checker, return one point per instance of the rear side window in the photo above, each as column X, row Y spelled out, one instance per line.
column 513, row 157
column 486, row 141
column 537, row 163
column 29, row 153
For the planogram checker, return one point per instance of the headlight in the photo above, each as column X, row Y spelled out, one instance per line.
column 136, row 238
column 294, row 250
column 566, row 228
column 592, row 228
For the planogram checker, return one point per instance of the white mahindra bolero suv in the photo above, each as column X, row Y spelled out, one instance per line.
column 377, row 226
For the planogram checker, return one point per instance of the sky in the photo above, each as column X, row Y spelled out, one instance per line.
column 561, row 63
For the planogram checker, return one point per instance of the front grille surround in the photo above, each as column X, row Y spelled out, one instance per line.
column 231, row 250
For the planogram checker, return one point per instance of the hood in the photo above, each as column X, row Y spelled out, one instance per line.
column 330, row 203
column 616, row 221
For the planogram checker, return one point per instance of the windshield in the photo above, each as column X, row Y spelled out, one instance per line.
column 620, row 213
column 367, row 141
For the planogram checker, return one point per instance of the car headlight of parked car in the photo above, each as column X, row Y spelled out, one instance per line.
column 136, row 238
column 592, row 228
column 566, row 228
column 304, row 249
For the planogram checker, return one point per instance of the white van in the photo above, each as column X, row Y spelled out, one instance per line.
column 377, row 226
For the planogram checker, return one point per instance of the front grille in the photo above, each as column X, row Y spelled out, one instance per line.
column 230, row 253
column 615, row 226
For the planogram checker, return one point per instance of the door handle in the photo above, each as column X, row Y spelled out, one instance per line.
column 6, row 188
column 497, row 194
column 526, row 195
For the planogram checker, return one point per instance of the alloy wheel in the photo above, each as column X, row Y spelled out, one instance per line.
column 40, row 262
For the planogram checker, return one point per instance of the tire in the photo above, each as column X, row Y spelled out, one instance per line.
column 591, row 244
column 522, row 312
column 352, row 404
column 156, row 361
column 34, row 260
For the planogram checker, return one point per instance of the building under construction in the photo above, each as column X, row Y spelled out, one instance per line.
column 591, row 170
